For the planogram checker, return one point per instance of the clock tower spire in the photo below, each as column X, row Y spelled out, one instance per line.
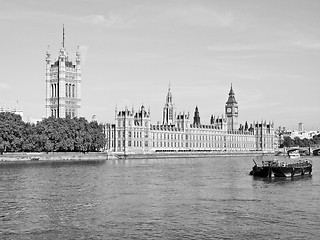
column 231, row 111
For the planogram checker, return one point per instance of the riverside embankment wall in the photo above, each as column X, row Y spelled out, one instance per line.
column 101, row 156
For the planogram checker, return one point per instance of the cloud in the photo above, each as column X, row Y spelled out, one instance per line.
column 234, row 47
column 309, row 45
column 4, row 86
column 238, row 51
column 111, row 19
column 13, row 15
column 191, row 14
column 96, row 20
column 197, row 15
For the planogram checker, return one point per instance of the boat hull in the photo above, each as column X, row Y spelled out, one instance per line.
column 291, row 171
column 282, row 170
column 261, row 171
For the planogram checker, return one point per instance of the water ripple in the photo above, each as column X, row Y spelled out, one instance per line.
column 155, row 199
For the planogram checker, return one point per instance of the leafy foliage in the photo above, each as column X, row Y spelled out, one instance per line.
column 288, row 142
column 50, row 135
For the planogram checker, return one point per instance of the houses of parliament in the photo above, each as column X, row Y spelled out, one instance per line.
column 133, row 132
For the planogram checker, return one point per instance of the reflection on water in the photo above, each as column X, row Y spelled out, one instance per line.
column 155, row 199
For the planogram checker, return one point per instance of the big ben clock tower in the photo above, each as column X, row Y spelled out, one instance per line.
column 231, row 112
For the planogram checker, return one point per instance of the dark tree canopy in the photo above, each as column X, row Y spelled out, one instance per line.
column 297, row 142
column 11, row 132
column 50, row 135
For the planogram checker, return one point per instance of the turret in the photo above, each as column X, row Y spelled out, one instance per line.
column 49, row 88
column 78, row 80
column 196, row 118
column 183, row 121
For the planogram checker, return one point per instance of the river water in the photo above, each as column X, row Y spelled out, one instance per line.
column 156, row 199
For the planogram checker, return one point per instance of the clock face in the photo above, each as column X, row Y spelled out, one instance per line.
column 228, row 110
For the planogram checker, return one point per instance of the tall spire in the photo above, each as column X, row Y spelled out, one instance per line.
column 231, row 99
column 169, row 95
column 63, row 35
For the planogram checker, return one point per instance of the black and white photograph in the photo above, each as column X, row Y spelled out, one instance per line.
column 159, row 119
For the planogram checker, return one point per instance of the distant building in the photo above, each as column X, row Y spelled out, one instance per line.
column 63, row 85
column 13, row 109
column 301, row 133
column 134, row 133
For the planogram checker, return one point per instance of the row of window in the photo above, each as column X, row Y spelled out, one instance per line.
column 216, row 145
column 134, row 135
column 69, row 113
column 186, row 145
column 132, row 144
column 70, row 90
column 208, row 138
column 196, row 137
column 131, row 122
column 201, row 145
column 69, row 71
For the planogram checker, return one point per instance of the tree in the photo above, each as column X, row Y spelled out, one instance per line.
column 316, row 140
column 50, row 134
column 297, row 142
column 288, row 142
column 11, row 130
column 98, row 137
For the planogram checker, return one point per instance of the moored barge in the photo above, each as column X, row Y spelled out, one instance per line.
column 274, row 168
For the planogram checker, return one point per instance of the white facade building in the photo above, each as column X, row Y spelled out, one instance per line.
column 133, row 132
column 63, row 85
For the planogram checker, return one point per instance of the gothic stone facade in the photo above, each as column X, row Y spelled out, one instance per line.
column 134, row 133
column 63, row 85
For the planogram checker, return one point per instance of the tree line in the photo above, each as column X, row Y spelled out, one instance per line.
column 50, row 135
column 289, row 142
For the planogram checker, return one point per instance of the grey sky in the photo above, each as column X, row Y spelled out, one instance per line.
column 132, row 50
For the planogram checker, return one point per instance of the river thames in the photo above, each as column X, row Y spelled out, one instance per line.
column 206, row 198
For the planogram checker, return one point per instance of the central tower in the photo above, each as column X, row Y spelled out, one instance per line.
column 63, row 84
column 169, row 113
column 231, row 111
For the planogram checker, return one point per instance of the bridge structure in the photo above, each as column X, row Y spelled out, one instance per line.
column 305, row 150
column 316, row 152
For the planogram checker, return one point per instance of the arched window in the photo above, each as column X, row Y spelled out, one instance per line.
column 69, row 90
column 66, row 90
column 73, row 89
column 51, row 90
column 55, row 90
column 51, row 112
